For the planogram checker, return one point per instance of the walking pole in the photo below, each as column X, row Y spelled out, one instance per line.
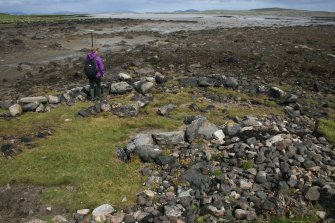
column 92, row 36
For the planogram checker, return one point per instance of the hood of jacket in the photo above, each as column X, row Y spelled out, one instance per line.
column 92, row 55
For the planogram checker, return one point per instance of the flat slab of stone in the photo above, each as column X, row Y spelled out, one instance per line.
column 40, row 99
column 169, row 138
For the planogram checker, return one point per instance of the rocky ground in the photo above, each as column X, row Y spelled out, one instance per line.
column 250, row 168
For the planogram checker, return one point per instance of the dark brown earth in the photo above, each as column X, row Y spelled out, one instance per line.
column 41, row 58
column 19, row 203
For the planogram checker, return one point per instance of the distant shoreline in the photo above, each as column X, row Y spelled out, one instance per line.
column 254, row 12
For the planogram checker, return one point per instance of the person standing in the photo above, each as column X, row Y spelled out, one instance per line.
column 94, row 70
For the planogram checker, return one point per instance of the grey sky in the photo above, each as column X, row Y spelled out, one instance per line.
column 93, row 6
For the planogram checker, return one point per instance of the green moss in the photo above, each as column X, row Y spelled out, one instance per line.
column 248, row 164
column 216, row 172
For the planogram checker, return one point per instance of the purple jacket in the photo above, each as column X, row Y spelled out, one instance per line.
column 98, row 62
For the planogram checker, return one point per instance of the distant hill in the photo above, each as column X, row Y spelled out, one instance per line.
column 272, row 12
column 273, row 9
column 15, row 13
column 122, row 11
column 64, row 13
column 186, row 11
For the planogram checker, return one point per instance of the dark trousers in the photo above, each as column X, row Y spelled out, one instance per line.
column 95, row 87
column 95, row 82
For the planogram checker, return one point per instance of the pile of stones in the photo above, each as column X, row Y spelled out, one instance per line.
column 242, row 170
column 123, row 85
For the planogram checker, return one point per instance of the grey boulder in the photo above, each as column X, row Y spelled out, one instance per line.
column 313, row 194
column 139, row 140
column 52, row 99
column 165, row 110
column 15, row 110
column 200, row 129
column 126, row 110
column 231, row 128
column 231, row 82
column 143, row 87
column 148, row 153
column 30, row 106
column 120, row 88
column 276, row 92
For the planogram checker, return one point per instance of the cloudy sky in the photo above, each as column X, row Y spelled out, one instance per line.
column 94, row 6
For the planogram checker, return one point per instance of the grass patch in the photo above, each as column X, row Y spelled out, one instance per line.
column 80, row 154
column 229, row 93
column 254, row 111
column 331, row 100
column 310, row 101
column 260, row 99
column 327, row 129
column 217, row 115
